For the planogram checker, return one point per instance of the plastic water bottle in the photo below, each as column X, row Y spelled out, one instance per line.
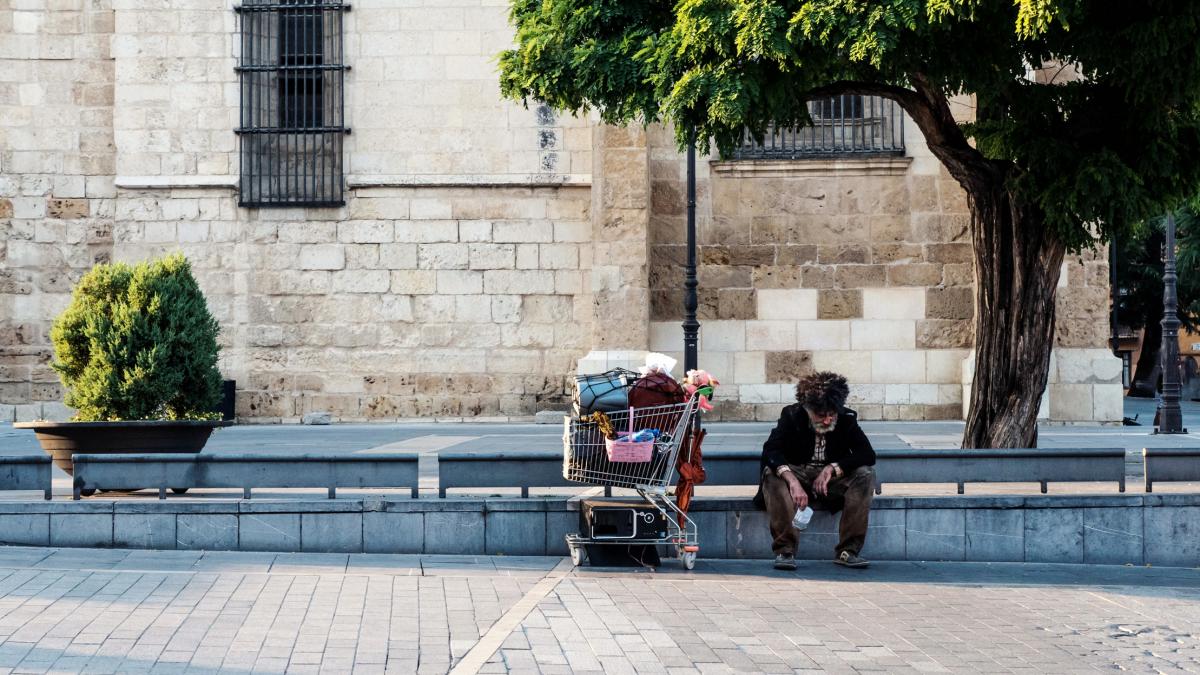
column 800, row 521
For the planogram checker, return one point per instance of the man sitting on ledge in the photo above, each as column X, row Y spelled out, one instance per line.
column 818, row 452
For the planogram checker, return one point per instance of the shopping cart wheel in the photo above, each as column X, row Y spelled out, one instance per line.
column 688, row 558
column 577, row 555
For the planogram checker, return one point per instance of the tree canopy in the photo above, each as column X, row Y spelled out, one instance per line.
column 1110, row 139
column 1140, row 271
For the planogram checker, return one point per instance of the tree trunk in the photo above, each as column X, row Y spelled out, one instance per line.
column 1144, row 381
column 1017, row 265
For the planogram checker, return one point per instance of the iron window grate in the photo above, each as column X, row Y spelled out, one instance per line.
column 292, row 115
column 841, row 125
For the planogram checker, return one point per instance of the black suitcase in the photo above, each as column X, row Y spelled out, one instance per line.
column 618, row 519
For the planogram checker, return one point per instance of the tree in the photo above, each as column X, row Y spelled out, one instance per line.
column 138, row 343
column 1049, row 165
column 1139, row 276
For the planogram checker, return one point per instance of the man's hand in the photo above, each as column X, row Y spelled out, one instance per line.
column 821, row 484
column 799, row 496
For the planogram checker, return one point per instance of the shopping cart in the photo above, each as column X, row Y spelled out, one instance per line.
column 586, row 459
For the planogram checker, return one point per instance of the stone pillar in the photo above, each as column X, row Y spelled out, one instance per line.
column 620, row 282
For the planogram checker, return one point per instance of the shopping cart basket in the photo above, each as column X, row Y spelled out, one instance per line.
column 586, row 459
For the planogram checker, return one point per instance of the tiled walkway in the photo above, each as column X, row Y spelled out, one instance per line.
column 103, row 611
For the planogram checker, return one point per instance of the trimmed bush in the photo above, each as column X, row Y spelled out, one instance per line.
column 138, row 343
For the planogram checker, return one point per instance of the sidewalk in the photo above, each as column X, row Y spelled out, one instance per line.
column 105, row 611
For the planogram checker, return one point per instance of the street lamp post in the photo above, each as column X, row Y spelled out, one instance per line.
column 1170, row 418
column 691, row 326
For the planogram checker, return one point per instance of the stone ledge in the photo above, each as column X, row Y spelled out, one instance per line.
column 802, row 168
column 418, row 180
column 1100, row 529
column 170, row 182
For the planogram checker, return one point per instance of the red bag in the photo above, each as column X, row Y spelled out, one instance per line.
column 657, row 388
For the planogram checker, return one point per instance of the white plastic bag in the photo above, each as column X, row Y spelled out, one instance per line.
column 800, row 521
column 657, row 362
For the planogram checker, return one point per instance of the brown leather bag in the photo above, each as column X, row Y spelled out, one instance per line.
column 657, row 388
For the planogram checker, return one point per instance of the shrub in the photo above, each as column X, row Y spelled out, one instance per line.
column 137, row 343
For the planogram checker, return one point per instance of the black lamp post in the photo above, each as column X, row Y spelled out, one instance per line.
column 691, row 327
column 1170, row 418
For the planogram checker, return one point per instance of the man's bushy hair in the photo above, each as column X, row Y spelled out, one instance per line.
column 822, row 391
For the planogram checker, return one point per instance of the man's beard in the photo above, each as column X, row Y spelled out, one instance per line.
column 821, row 427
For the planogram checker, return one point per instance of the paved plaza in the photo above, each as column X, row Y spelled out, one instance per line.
column 107, row 611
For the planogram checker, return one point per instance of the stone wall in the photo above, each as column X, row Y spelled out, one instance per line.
column 861, row 266
column 56, row 187
column 455, row 282
column 487, row 250
column 1097, row 529
column 409, row 302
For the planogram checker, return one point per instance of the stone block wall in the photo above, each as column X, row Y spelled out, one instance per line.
column 56, row 186
column 176, row 88
column 424, row 98
column 487, row 250
column 861, row 266
column 455, row 282
column 409, row 302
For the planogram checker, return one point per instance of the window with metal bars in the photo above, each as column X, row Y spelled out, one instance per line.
column 292, row 112
column 841, row 125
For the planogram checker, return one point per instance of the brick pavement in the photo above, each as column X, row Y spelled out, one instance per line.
column 105, row 611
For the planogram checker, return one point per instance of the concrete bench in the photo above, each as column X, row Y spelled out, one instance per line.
column 1170, row 464
column 1001, row 465
column 727, row 467
column 508, row 469
column 904, row 465
column 731, row 467
column 26, row 472
column 544, row 468
column 246, row 471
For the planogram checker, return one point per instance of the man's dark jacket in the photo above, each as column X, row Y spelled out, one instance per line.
column 793, row 438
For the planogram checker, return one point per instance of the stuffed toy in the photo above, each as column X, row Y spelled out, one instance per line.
column 700, row 383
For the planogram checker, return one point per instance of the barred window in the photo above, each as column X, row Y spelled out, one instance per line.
column 292, row 111
column 842, row 125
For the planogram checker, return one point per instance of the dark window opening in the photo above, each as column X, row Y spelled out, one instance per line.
column 841, row 125
column 292, row 124
column 301, row 89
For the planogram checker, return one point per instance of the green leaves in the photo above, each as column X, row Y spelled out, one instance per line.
column 138, row 342
column 1106, row 133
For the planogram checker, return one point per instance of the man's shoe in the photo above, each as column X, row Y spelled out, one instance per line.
column 847, row 559
column 785, row 561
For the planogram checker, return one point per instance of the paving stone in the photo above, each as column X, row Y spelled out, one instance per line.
column 110, row 611
column 390, row 532
column 144, row 530
column 453, row 532
column 1054, row 535
column 340, row 532
column 995, row 534
column 514, row 533
column 81, row 529
column 209, row 532
column 935, row 534
column 1113, row 536
column 269, row 532
column 25, row 529
column 1171, row 535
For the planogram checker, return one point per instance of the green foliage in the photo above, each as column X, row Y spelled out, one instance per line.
column 1140, row 270
column 138, row 342
column 1114, row 145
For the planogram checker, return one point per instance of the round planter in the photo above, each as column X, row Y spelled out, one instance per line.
column 61, row 440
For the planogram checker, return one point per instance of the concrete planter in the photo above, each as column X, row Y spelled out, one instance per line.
column 61, row 440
